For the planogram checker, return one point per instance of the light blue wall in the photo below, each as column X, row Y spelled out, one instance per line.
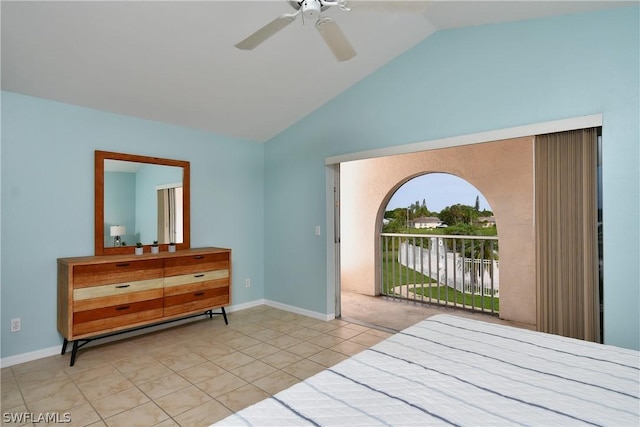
column 467, row 81
column 48, row 194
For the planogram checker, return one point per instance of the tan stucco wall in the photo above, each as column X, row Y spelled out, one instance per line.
column 502, row 171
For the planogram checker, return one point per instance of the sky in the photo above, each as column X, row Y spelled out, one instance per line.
column 439, row 190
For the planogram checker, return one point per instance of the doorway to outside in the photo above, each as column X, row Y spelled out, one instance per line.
column 501, row 170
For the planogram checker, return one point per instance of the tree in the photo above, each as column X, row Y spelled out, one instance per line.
column 477, row 206
column 423, row 209
column 394, row 226
column 397, row 213
column 458, row 214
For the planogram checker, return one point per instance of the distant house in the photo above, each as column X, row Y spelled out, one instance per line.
column 487, row 221
column 427, row 222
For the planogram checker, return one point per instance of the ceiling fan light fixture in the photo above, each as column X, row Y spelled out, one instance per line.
column 311, row 9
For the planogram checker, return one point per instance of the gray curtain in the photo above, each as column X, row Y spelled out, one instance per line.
column 566, row 234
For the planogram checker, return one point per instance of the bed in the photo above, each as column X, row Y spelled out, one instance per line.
column 449, row 370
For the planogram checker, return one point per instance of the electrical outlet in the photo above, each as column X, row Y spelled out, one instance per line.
column 15, row 325
column 247, row 283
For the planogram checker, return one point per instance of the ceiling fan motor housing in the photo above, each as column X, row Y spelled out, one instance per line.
column 311, row 8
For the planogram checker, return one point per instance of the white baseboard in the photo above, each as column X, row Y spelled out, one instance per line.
column 52, row 351
column 246, row 305
column 301, row 311
column 28, row 357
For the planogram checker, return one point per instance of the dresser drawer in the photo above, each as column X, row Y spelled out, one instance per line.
column 196, row 300
column 108, row 318
column 186, row 279
column 192, row 292
column 196, row 263
column 116, row 272
column 187, row 287
column 120, row 293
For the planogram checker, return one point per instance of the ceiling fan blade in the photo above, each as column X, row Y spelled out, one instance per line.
column 335, row 39
column 267, row 31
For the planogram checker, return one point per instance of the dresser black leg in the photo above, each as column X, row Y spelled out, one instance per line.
column 73, row 353
column 64, row 347
column 224, row 313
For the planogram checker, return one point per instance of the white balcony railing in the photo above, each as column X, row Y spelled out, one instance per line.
column 460, row 271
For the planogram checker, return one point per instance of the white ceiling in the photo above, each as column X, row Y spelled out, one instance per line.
column 176, row 62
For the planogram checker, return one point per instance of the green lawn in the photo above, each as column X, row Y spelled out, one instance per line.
column 395, row 274
column 445, row 293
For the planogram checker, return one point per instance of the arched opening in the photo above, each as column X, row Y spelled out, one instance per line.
column 438, row 244
column 502, row 171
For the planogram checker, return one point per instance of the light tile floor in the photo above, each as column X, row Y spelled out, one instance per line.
column 187, row 375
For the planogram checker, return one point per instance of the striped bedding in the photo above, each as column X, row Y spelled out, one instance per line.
column 449, row 370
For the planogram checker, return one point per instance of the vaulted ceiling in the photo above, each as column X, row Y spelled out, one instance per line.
column 176, row 62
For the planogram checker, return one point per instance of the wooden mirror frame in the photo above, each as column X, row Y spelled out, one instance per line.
column 100, row 157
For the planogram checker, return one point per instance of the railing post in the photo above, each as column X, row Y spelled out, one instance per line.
column 430, row 268
column 422, row 269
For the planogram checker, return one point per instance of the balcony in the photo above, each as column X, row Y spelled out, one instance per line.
column 454, row 271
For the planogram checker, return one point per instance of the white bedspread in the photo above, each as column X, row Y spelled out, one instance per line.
column 457, row 371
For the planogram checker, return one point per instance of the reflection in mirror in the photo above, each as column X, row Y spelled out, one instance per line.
column 140, row 199
column 170, row 214
column 145, row 199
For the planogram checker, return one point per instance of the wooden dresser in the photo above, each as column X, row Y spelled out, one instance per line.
column 99, row 296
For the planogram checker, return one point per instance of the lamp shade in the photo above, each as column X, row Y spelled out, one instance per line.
column 117, row 230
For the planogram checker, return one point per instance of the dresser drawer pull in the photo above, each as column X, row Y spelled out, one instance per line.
column 198, row 257
column 199, row 275
column 122, row 286
column 124, row 264
column 198, row 294
column 126, row 307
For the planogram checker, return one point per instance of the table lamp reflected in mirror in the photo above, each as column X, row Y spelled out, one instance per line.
column 116, row 231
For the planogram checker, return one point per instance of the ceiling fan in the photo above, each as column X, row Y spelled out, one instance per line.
column 310, row 10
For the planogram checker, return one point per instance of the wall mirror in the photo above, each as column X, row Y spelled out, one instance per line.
column 140, row 199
